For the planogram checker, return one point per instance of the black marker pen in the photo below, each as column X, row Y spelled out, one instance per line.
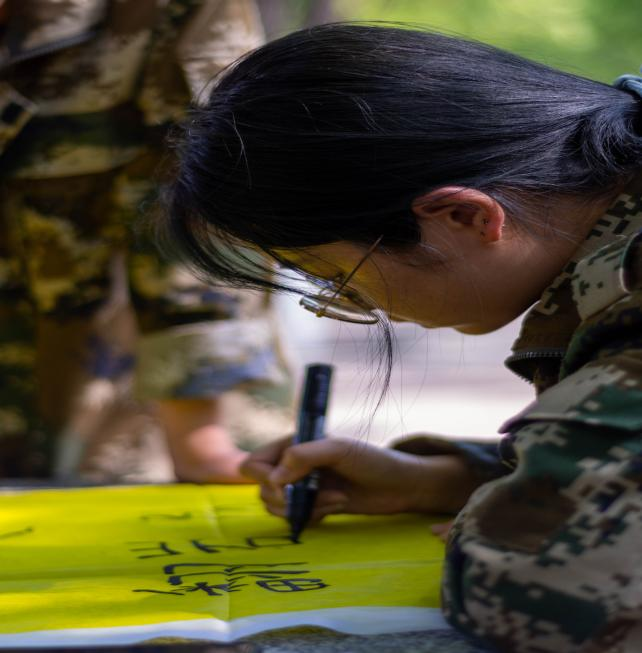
column 301, row 495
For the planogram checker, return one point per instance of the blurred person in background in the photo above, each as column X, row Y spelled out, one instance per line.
column 88, row 90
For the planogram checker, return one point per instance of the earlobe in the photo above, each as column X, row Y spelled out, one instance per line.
column 459, row 208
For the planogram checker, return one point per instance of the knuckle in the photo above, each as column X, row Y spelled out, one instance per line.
column 291, row 459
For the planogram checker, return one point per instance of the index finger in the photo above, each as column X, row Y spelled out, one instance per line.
column 260, row 463
column 300, row 459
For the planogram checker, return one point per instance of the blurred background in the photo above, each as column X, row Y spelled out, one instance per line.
column 445, row 382
column 588, row 37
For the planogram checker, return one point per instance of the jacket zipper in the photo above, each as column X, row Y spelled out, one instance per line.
column 536, row 353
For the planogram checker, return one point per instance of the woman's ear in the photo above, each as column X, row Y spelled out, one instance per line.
column 462, row 209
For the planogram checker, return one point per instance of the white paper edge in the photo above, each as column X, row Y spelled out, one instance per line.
column 353, row 621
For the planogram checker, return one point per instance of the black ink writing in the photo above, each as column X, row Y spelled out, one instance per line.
column 231, row 571
column 24, row 531
column 162, row 549
column 215, row 590
column 156, row 549
column 251, row 543
column 278, row 577
column 292, row 584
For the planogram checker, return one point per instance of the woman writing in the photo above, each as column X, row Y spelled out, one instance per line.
column 424, row 178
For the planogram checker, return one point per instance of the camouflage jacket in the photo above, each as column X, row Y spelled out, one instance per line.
column 94, row 55
column 547, row 558
column 87, row 91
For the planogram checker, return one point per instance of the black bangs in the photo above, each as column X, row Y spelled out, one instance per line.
column 219, row 256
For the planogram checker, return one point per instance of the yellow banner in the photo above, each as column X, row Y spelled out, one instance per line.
column 113, row 557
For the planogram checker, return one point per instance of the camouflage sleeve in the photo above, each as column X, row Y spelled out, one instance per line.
column 219, row 34
column 487, row 460
column 547, row 558
column 193, row 41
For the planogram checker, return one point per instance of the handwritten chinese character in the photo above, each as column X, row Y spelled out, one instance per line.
column 162, row 549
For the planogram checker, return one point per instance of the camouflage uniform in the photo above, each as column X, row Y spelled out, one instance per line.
column 88, row 89
column 547, row 558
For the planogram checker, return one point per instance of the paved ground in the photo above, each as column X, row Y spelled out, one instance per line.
column 323, row 641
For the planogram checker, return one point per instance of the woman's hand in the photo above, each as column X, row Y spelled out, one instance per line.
column 361, row 479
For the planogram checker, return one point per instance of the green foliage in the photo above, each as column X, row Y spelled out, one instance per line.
column 596, row 38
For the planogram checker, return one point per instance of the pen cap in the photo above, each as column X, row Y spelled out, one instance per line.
column 317, row 389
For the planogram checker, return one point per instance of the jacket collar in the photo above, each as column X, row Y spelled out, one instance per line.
column 548, row 326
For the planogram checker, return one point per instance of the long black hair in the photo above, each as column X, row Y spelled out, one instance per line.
column 329, row 133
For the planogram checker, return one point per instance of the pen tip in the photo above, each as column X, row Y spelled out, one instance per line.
column 295, row 535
